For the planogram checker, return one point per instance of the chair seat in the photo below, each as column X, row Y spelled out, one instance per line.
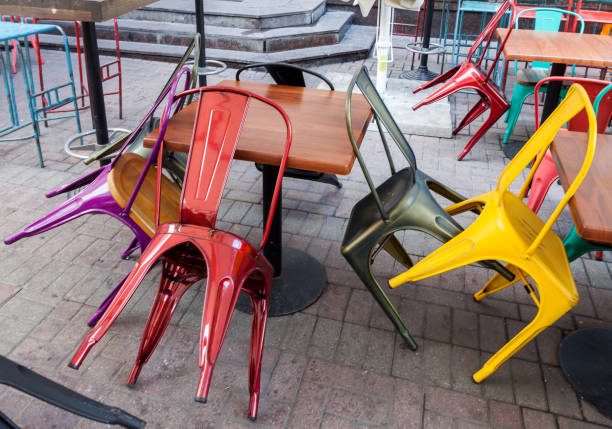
column 531, row 76
column 551, row 253
column 121, row 181
column 365, row 214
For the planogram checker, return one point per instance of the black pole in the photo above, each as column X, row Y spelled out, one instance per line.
column 94, row 83
column 427, row 33
column 423, row 73
column 199, row 15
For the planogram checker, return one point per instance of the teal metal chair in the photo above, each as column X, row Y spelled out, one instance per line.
column 546, row 19
column 576, row 246
column 404, row 201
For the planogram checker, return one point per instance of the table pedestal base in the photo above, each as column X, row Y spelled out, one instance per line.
column 421, row 74
column 585, row 357
column 301, row 283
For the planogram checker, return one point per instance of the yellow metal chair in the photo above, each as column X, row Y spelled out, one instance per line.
column 530, row 247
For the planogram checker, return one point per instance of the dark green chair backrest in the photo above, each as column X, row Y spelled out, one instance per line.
column 383, row 119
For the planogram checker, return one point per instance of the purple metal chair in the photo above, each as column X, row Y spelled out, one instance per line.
column 119, row 191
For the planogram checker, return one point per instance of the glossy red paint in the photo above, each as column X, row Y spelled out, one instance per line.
column 546, row 174
column 192, row 249
column 469, row 74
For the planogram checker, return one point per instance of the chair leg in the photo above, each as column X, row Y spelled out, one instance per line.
column 222, row 291
column 496, row 113
column 537, row 325
column 544, row 177
column 134, row 244
column 260, row 300
column 576, row 246
column 394, row 248
column 599, row 255
column 175, row 280
column 478, row 109
column 442, row 92
column 361, row 265
column 104, row 304
column 498, row 282
column 521, row 92
column 438, row 79
column 71, row 209
column 159, row 244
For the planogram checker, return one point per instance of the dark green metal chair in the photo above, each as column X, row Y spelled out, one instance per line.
column 404, row 201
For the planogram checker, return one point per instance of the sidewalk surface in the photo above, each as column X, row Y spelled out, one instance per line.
column 338, row 363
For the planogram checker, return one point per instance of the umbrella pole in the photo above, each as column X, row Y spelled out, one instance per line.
column 383, row 45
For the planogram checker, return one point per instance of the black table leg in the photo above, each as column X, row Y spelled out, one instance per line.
column 550, row 103
column 423, row 73
column 299, row 279
column 94, row 82
column 553, row 92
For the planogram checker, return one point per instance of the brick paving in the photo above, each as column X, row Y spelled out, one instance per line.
column 338, row 363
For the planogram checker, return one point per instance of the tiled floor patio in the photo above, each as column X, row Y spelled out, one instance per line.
column 338, row 363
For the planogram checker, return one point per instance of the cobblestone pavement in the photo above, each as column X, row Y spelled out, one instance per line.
column 338, row 363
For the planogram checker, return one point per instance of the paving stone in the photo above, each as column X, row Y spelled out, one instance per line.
column 528, row 385
column 348, row 404
column 298, row 334
column 325, row 339
column 353, row 344
column 562, row 398
column 464, row 363
column 455, row 404
column 465, row 328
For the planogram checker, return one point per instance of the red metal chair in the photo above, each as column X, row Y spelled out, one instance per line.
column 191, row 249
column 470, row 75
column 546, row 174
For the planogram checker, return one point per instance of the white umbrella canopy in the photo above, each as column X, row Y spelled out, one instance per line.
column 366, row 5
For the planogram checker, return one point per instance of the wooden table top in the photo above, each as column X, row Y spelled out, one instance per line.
column 557, row 47
column 591, row 206
column 71, row 10
column 320, row 140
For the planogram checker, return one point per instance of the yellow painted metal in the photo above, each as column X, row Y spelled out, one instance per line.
column 507, row 230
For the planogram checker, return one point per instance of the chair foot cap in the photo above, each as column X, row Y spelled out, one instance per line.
column 73, row 366
column 200, row 399
column 252, row 418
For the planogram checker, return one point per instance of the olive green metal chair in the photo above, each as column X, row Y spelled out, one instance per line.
column 174, row 163
column 404, row 201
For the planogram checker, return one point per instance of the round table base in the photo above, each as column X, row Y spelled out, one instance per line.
column 421, row 74
column 301, row 283
column 585, row 357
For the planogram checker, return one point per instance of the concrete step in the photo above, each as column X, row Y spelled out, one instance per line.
column 356, row 44
column 329, row 29
column 252, row 14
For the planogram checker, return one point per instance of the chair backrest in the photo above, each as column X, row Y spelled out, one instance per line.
column 547, row 19
column 575, row 101
column 193, row 48
column 286, row 74
column 487, row 34
column 599, row 97
column 169, row 92
column 383, row 120
column 220, row 115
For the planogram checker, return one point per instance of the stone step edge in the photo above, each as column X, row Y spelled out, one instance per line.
column 214, row 30
column 356, row 44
